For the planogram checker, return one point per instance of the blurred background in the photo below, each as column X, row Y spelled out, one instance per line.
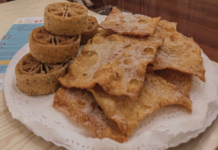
column 195, row 18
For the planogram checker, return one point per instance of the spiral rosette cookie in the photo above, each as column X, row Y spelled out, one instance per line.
column 66, row 18
column 36, row 78
column 92, row 30
column 49, row 48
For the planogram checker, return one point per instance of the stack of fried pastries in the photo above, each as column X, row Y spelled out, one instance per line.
column 67, row 25
column 119, row 79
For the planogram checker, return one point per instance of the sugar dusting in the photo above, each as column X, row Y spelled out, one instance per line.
column 88, row 108
column 121, row 53
column 155, row 94
column 178, row 52
column 127, row 24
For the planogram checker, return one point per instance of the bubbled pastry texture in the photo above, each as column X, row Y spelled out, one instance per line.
column 127, row 113
column 118, row 63
column 138, row 25
column 178, row 52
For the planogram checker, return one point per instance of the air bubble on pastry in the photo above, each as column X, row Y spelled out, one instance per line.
column 92, row 30
column 106, row 61
column 36, row 78
column 127, row 113
column 49, row 48
column 66, row 18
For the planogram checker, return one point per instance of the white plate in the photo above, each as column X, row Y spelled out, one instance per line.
column 165, row 128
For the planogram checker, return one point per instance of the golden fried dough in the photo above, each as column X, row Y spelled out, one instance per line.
column 177, row 52
column 130, row 24
column 182, row 81
column 35, row 78
column 80, row 106
column 49, row 48
column 164, row 29
column 66, row 18
column 118, row 63
column 104, row 33
column 127, row 113
column 92, row 30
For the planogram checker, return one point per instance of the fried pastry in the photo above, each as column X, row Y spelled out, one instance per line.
column 139, row 25
column 127, row 113
column 178, row 52
column 104, row 33
column 80, row 106
column 165, row 28
column 35, row 78
column 49, row 48
column 182, row 81
column 92, row 30
column 118, row 63
column 66, row 18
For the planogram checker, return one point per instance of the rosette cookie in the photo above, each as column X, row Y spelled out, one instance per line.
column 92, row 30
column 49, row 48
column 36, row 78
column 66, row 18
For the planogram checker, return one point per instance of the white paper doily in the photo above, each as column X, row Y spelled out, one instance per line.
column 165, row 128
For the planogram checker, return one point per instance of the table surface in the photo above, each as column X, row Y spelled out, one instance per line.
column 15, row 135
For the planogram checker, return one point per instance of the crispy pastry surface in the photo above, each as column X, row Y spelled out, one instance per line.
column 104, row 33
column 139, row 25
column 127, row 113
column 35, row 78
column 92, row 30
column 182, row 81
column 165, row 28
column 80, row 106
column 66, row 18
column 118, row 63
column 178, row 52
column 49, row 48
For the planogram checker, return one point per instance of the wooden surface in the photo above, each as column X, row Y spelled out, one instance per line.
column 14, row 135
column 3, row 1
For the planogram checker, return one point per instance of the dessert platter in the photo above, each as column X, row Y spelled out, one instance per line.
column 120, row 81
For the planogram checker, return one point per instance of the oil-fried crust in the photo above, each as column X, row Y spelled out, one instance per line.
column 138, row 25
column 165, row 28
column 49, row 48
column 180, row 53
column 66, row 18
column 35, row 78
column 118, row 63
column 92, row 30
column 177, row 52
column 104, row 33
column 127, row 113
column 80, row 106
column 182, row 81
